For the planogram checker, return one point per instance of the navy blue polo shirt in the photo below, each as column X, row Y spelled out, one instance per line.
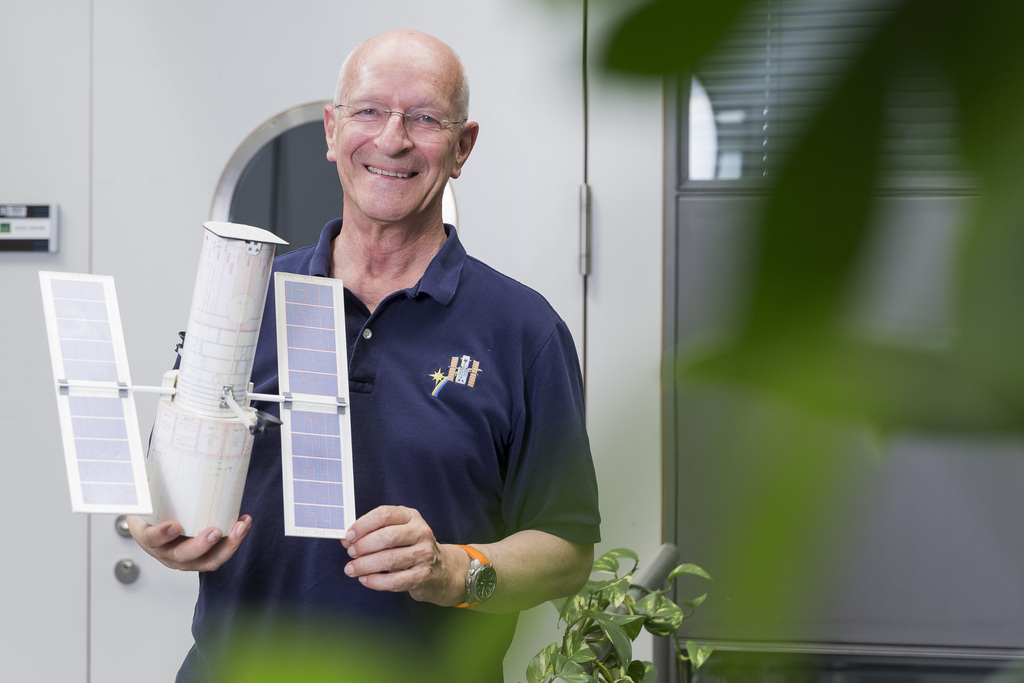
column 467, row 405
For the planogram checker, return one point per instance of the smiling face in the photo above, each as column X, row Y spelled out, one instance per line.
column 388, row 177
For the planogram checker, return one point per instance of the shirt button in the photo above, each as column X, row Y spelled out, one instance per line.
column 367, row 333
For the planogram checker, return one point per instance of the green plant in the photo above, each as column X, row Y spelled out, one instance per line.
column 604, row 618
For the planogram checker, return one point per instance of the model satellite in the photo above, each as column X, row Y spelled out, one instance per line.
column 205, row 426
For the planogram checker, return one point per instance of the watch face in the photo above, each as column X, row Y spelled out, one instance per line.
column 484, row 582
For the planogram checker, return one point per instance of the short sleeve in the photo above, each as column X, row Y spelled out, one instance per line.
column 550, row 485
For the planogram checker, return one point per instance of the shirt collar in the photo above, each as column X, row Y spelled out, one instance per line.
column 439, row 281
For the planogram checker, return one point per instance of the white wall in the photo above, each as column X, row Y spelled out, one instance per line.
column 135, row 108
column 44, row 157
column 625, row 298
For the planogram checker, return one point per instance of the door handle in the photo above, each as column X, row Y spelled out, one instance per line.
column 121, row 525
column 126, row 571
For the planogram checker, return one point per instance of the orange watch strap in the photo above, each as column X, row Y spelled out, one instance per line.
column 474, row 554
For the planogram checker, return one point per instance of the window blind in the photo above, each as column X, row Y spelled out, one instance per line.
column 751, row 98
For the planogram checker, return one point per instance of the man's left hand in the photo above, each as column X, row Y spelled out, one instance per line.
column 393, row 549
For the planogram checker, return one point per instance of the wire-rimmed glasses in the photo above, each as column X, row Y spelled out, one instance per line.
column 420, row 123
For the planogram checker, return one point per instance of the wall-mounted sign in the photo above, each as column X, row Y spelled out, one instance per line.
column 29, row 227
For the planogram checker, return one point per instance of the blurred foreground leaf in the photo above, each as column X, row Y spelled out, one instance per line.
column 792, row 339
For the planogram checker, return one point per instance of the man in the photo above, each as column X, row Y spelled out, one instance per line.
column 499, row 472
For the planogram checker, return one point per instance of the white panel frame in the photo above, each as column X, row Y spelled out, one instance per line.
column 328, row 405
column 84, row 388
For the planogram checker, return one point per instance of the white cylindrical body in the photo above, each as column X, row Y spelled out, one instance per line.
column 196, row 468
column 199, row 452
column 223, row 323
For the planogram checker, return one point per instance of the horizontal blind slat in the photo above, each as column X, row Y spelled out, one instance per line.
column 769, row 77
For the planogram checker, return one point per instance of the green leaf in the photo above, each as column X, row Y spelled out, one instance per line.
column 698, row 654
column 616, row 591
column 572, row 610
column 577, row 649
column 693, row 604
column 602, row 586
column 576, row 678
column 609, row 561
column 669, row 36
column 631, row 624
column 642, row 672
column 569, row 671
column 583, row 655
column 648, row 604
column 591, row 630
column 688, row 569
column 663, row 615
column 573, row 642
column 541, row 664
column 621, row 630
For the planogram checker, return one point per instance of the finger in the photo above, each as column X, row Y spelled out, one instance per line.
column 377, row 518
column 384, row 561
column 161, row 534
column 394, row 582
column 422, row 556
column 417, row 581
column 204, row 552
column 209, row 549
column 389, row 538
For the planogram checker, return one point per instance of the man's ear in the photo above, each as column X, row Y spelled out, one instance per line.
column 467, row 140
column 329, row 124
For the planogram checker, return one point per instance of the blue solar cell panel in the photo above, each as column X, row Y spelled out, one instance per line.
column 83, row 331
column 310, row 293
column 84, row 290
column 312, row 383
column 316, row 445
column 90, row 371
column 319, row 493
column 87, row 350
column 101, row 443
column 96, row 406
column 102, row 450
column 106, row 472
column 316, row 464
column 311, row 338
column 99, row 427
column 108, row 494
column 90, row 330
column 317, row 517
column 316, row 469
column 316, row 423
column 77, row 309
column 306, row 315
column 312, row 347
column 313, row 361
column 313, row 365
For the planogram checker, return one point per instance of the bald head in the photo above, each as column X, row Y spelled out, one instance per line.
column 410, row 49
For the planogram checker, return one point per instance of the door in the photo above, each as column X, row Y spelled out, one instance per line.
column 829, row 541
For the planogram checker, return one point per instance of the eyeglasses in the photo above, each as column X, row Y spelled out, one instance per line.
column 420, row 124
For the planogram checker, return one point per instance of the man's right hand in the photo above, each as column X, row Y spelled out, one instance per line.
column 203, row 552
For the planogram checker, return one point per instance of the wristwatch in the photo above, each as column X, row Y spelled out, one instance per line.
column 480, row 580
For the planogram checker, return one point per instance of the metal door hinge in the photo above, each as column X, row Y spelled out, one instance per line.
column 584, row 230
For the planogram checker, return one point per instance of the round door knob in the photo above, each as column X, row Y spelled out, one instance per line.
column 126, row 571
column 121, row 525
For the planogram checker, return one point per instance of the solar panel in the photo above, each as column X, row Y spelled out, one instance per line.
column 316, row 441
column 99, row 426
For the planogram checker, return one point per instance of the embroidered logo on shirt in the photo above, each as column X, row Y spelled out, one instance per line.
column 461, row 371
